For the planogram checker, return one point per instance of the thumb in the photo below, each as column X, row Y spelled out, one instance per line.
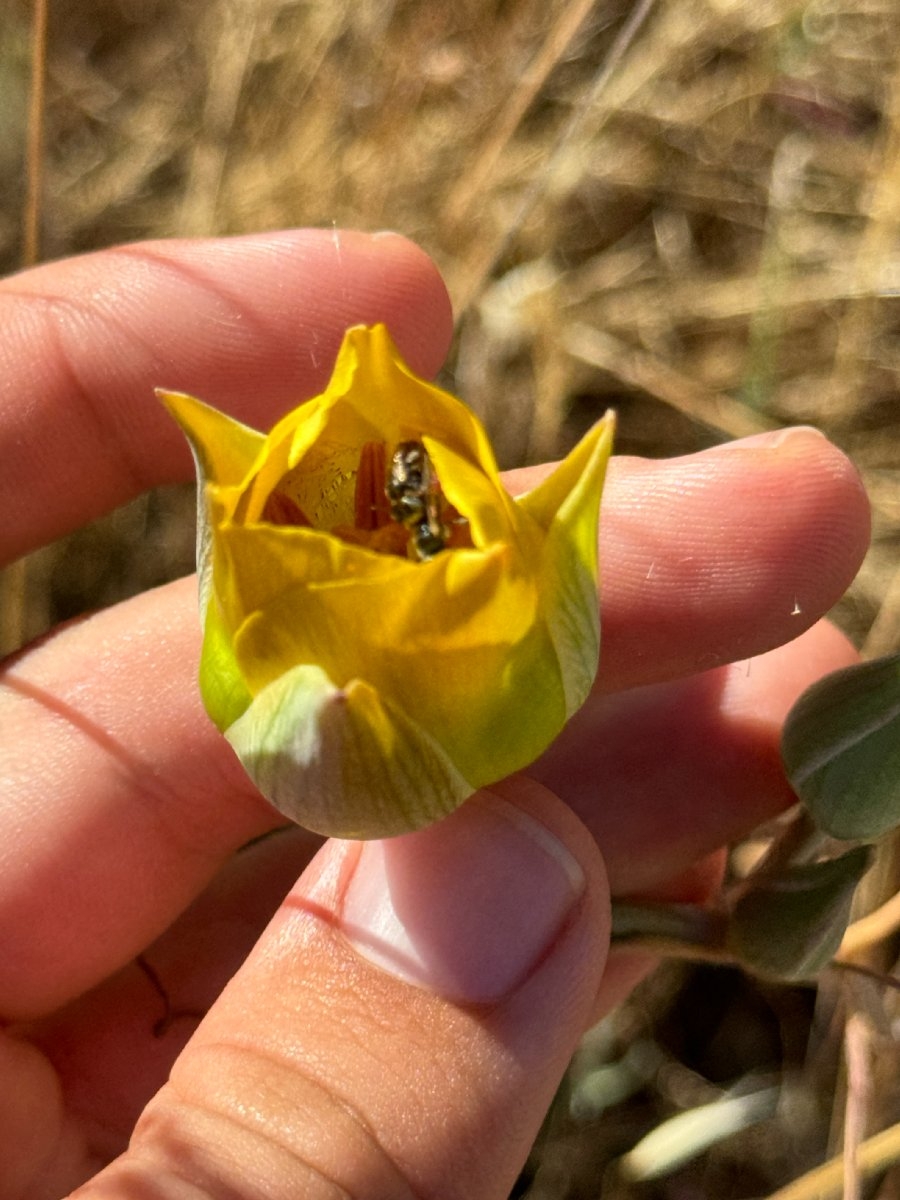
column 402, row 1024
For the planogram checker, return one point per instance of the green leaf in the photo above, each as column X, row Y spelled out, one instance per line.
column 841, row 750
column 789, row 925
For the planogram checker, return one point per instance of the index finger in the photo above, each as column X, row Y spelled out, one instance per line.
column 253, row 323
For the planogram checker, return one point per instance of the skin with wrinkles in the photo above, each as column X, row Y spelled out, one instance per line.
column 319, row 1069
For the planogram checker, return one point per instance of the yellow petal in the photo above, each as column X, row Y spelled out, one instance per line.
column 472, row 490
column 224, row 451
column 372, row 396
column 567, row 505
column 455, row 640
column 577, row 480
column 224, row 448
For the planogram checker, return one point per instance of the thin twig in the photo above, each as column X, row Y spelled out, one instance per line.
column 793, row 843
column 479, row 275
column 874, row 928
column 34, row 149
column 14, row 581
column 473, row 181
column 885, row 981
column 238, row 27
column 856, row 1052
column 683, row 931
column 826, row 1182
column 646, row 372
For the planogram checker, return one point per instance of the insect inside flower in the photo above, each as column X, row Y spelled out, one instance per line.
column 399, row 506
column 414, row 492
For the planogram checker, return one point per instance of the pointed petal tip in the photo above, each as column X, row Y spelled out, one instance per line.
column 184, row 408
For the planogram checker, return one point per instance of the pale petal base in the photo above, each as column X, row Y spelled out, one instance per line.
column 342, row 761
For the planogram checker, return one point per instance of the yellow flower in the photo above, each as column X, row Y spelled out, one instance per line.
column 385, row 628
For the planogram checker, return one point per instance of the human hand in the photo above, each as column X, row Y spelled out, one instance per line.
column 394, row 1022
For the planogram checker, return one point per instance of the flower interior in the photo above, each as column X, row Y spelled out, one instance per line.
column 397, row 509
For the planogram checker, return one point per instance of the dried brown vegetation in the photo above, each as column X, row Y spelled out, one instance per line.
column 695, row 221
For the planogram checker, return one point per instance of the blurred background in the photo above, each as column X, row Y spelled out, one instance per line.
column 684, row 209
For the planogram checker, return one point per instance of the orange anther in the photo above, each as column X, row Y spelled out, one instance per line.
column 371, row 509
column 280, row 509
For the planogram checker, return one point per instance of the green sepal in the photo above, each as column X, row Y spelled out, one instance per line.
column 223, row 690
column 343, row 761
column 567, row 505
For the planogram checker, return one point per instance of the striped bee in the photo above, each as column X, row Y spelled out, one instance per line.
column 414, row 493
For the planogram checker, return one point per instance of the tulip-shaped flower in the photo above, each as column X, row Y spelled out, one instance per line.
column 385, row 628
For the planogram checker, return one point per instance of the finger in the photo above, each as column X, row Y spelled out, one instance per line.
column 391, row 1034
column 109, row 749
column 722, row 555
column 664, row 774
column 113, row 1048
column 777, row 548
column 122, row 798
column 252, row 324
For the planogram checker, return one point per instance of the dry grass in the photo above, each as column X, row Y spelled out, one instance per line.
column 697, row 224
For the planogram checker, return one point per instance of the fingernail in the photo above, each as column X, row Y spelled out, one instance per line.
column 772, row 438
column 466, row 908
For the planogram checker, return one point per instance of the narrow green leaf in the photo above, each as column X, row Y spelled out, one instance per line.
column 841, row 750
column 789, row 925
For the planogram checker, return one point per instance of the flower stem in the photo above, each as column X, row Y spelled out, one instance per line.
column 671, row 930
